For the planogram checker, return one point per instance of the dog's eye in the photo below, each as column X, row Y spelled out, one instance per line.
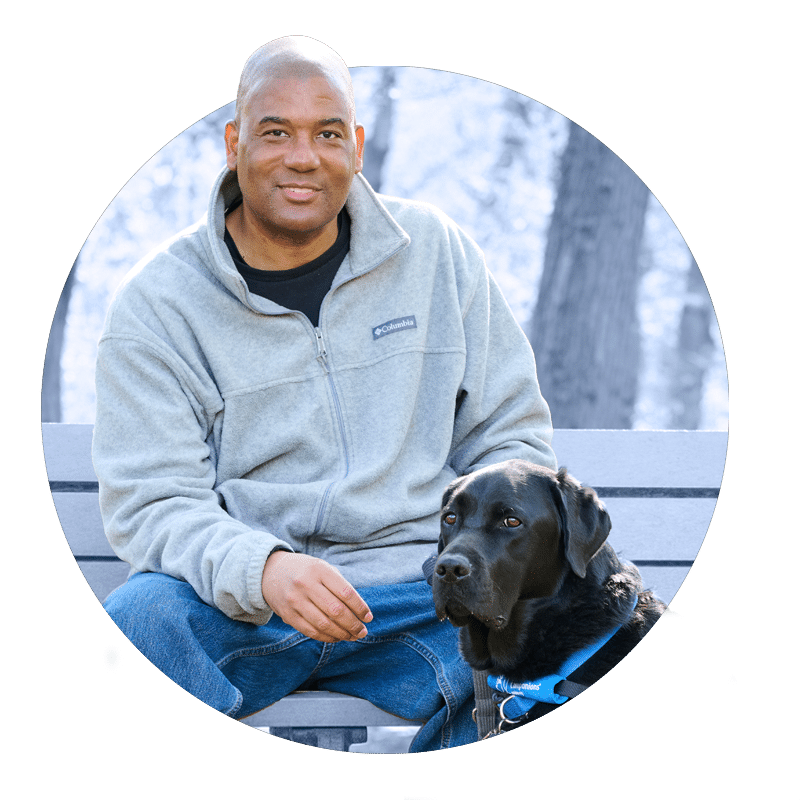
column 449, row 519
column 512, row 522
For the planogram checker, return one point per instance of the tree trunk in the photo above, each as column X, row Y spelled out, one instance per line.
column 378, row 139
column 693, row 355
column 584, row 329
column 51, row 379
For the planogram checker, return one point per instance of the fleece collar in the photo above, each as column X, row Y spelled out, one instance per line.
column 375, row 236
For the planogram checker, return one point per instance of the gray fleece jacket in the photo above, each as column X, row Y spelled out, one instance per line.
column 228, row 426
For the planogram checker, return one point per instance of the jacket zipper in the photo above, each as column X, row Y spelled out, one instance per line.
column 322, row 357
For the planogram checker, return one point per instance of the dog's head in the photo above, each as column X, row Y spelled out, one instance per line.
column 511, row 532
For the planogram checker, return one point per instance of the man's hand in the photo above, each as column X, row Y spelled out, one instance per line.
column 313, row 597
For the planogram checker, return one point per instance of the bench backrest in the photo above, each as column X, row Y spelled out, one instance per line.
column 660, row 488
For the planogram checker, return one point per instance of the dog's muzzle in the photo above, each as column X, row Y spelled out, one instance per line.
column 460, row 591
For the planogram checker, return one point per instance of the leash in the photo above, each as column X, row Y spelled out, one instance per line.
column 485, row 712
column 521, row 698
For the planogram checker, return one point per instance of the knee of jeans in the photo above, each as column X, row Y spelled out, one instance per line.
column 149, row 599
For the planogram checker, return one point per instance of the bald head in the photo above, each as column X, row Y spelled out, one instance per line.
column 295, row 148
column 293, row 57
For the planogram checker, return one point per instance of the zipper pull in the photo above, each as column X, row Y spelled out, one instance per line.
column 322, row 353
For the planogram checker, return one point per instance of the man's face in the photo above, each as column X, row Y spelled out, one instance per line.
column 295, row 151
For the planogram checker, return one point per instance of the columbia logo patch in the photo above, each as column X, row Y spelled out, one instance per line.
column 393, row 326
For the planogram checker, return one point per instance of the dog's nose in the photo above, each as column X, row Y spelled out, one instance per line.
column 452, row 568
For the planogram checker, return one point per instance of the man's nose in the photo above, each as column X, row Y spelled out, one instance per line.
column 301, row 154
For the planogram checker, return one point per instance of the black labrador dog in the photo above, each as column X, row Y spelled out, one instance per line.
column 525, row 571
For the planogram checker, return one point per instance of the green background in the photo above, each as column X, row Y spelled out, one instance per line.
column 695, row 98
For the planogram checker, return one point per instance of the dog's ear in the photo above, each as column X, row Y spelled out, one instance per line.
column 584, row 519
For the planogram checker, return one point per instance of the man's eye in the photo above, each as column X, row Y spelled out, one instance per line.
column 449, row 519
column 329, row 135
column 276, row 133
column 512, row 522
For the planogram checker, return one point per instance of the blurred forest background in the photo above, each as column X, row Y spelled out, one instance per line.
column 592, row 266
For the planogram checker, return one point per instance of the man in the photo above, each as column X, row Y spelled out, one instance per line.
column 284, row 392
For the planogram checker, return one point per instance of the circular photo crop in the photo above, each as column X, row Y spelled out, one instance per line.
column 398, row 415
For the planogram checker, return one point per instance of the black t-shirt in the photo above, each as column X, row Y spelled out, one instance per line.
column 302, row 288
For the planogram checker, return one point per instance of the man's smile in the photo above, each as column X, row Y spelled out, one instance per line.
column 298, row 193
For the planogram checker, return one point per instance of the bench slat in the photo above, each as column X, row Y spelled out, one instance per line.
column 104, row 576
column 597, row 458
column 80, row 518
column 68, row 451
column 663, row 581
column 643, row 458
column 639, row 527
column 329, row 709
column 659, row 529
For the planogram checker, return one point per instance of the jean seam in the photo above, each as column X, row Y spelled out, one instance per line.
column 231, row 712
column 262, row 650
column 441, row 681
column 324, row 657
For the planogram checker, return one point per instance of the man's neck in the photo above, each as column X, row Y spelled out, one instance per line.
column 273, row 252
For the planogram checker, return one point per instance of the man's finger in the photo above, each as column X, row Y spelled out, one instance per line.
column 337, row 611
column 307, row 629
column 345, row 592
column 314, row 624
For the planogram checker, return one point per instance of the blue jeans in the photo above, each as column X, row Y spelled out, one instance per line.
column 408, row 664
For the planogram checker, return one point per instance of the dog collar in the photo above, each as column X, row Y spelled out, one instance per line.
column 524, row 696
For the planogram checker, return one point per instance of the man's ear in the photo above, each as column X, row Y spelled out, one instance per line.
column 231, row 143
column 359, row 147
column 584, row 520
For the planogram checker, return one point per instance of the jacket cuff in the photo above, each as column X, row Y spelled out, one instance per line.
column 254, row 609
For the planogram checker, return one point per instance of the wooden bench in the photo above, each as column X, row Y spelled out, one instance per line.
column 660, row 488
